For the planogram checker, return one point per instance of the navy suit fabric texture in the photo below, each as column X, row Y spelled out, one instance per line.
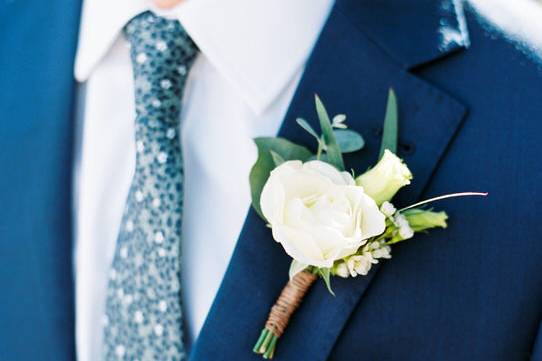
column 469, row 120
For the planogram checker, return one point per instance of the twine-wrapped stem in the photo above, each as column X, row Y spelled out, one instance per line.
column 289, row 300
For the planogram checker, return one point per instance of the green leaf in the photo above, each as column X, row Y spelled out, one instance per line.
column 390, row 131
column 265, row 163
column 305, row 125
column 349, row 140
column 277, row 159
column 333, row 151
column 296, row 267
column 325, row 273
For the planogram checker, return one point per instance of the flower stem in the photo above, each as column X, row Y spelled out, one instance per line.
column 319, row 151
column 266, row 344
column 288, row 301
column 260, row 340
column 451, row 195
column 266, row 341
column 271, row 349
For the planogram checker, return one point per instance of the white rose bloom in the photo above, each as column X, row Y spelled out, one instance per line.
column 317, row 213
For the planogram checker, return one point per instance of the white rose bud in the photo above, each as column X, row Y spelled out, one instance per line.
column 384, row 180
column 421, row 220
column 317, row 213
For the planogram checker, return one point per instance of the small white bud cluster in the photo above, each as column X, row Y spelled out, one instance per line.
column 403, row 228
column 405, row 231
column 362, row 262
column 388, row 209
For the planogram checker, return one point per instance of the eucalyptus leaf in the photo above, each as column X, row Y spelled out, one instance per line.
column 391, row 127
column 325, row 273
column 265, row 163
column 349, row 140
column 296, row 267
column 334, row 154
column 305, row 125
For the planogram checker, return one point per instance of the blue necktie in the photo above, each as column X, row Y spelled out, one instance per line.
column 143, row 318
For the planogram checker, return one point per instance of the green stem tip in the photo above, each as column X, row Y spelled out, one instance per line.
column 266, row 344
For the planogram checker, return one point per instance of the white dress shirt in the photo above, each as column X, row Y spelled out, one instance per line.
column 252, row 56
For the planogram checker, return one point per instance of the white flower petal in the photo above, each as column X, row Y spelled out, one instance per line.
column 300, row 246
column 319, row 215
column 330, row 172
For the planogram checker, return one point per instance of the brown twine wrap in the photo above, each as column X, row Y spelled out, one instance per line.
column 289, row 300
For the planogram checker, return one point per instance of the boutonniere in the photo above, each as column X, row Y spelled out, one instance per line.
column 332, row 222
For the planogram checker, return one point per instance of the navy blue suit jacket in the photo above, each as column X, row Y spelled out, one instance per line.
column 470, row 119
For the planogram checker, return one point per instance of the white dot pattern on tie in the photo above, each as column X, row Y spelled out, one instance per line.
column 145, row 274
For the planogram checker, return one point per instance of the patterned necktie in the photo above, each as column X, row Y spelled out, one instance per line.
column 143, row 318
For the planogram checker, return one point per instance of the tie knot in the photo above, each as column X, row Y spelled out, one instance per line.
column 159, row 40
column 161, row 53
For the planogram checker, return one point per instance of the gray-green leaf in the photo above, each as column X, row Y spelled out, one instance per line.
column 305, row 125
column 391, row 128
column 333, row 151
column 325, row 273
column 349, row 140
column 265, row 163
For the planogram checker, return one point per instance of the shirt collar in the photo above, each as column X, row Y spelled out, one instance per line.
column 258, row 46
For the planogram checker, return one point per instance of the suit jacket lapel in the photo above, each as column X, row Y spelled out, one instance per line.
column 352, row 74
column 37, row 42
